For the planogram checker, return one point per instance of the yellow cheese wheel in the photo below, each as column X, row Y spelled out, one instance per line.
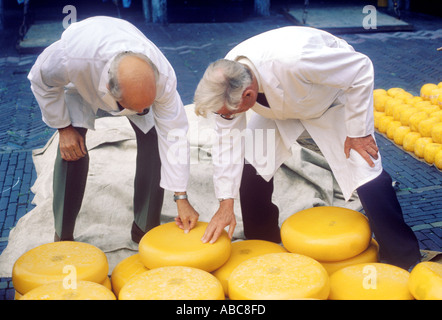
column 125, row 270
column 430, row 151
column 426, row 90
column 391, row 128
column 405, row 115
column 57, row 261
column 415, row 119
column 394, row 91
column 438, row 160
column 437, row 114
column 425, row 281
column 410, row 140
column 419, row 146
column 241, row 251
column 412, row 100
column 430, row 109
column 106, row 283
column 399, row 134
column 379, row 102
column 390, row 104
column 376, row 116
column 434, row 95
column 425, row 126
column 397, row 109
column 436, row 133
column 370, row 281
column 379, row 91
column 168, row 245
column 384, row 121
column 279, row 276
column 173, row 283
column 326, row 233
column 371, row 254
column 403, row 95
column 84, row 290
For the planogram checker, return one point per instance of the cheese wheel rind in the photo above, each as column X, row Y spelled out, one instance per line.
column 125, row 270
column 54, row 261
column 241, row 251
column 85, row 290
column 426, row 281
column 326, row 233
column 173, row 283
column 279, row 276
column 168, row 245
column 370, row 281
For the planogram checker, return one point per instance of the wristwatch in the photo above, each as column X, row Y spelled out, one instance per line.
column 179, row 197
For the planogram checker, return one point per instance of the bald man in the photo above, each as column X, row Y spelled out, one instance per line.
column 104, row 63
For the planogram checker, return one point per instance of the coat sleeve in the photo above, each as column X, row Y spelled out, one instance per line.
column 48, row 77
column 350, row 71
column 172, row 125
column 228, row 155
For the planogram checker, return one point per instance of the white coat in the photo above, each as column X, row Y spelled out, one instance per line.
column 313, row 81
column 69, row 83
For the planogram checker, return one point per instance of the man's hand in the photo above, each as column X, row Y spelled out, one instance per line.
column 365, row 146
column 187, row 215
column 223, row 217
column 72, row 146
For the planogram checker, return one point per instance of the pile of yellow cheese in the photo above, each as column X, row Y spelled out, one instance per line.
column 412, row 122
column 326, row 253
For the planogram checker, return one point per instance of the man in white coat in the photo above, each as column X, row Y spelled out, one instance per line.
column 296, row 79
column 108, row 64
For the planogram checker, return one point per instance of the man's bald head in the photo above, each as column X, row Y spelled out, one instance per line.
column 132, row 81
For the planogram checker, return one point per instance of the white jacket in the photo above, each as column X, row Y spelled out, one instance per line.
column 69, row 82
column 313, row 81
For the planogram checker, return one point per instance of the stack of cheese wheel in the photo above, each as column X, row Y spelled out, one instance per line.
column 168, row 245
column 59, row 261
column 173, row 283
column 83, row 290
column 413, row 122
column 126, row 270
column 370, row 281
column 425, row 281
column 242, row 251
column 328, row 234
column 279, row 276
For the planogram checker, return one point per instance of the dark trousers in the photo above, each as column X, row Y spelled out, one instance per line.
column 397, row 243
column 70, row 177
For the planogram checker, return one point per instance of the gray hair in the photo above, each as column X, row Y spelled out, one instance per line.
column 114, row 86
column 222, row 84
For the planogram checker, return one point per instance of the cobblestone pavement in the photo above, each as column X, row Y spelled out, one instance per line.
column 401, row 59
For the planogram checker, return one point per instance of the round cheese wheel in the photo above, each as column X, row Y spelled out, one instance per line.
column 425, row 126
column 415, row 119
column 241, row 251
column 436, row 133
column 397, row 109
column 173, row 283
column 426, row 90
column 399, row 134
column 403, row 95
column 430, row 109
column 279, row 276
column 384, row 121
column 379, row 91
column 168, row 245
column 370, row 281
column 84, row 290
column 425, row 281
column 419, row 146
column 125, row 270
column 376, row 116
column 438, row 160
column 394, row 91
column 405, row 114
column 371, row 254
column 430, row 151
column 391, row 128
column 390, row 104
column 410, row 140
column 379, row 102
column 326, row 233
column 56, row 261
